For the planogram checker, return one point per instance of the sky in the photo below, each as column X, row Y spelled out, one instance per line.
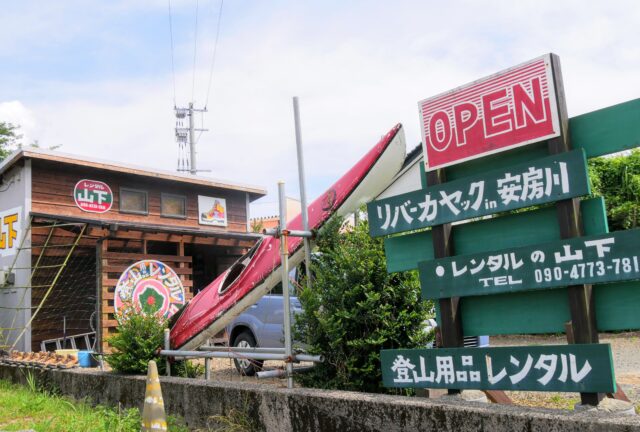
column 97, row 77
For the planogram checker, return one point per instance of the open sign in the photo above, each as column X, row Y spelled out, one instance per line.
column 512, row 108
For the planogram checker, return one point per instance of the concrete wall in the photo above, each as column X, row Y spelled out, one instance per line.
column 15, row 195
column 283, row 410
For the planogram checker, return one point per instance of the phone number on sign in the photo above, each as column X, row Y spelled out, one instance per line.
column 588, row 270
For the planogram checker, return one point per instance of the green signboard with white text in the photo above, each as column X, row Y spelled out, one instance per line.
column 582, row 260
column 562, row 368
column 527, row 184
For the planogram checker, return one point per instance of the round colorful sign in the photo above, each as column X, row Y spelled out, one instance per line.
column 151, row 286
column 93, row 196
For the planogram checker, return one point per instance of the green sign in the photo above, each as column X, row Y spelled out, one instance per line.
column 565, row 368
column 526, row 184
column 583, row 260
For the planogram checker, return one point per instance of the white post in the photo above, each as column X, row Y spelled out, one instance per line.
column 284, row 253
column 167, row 346
column 303, row 191
column 207, row 368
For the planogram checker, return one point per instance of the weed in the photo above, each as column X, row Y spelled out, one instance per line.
column 234, row 421
column 188, row 369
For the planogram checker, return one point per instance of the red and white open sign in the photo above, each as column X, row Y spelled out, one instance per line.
column 509, row 109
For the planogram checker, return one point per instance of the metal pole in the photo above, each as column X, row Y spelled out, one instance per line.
column 192, row 142
column 255, row 356
column 207, row 368
column 244, row 350
column 167, row 346
column 303, row 191
column 284, row 251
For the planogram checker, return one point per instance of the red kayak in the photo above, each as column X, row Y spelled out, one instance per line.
column 255, row 273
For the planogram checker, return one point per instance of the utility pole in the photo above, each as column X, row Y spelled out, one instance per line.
column 186, row 135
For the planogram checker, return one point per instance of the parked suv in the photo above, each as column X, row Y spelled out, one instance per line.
column 261, row 325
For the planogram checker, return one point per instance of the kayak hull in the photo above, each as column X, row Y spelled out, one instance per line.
column 257, row 272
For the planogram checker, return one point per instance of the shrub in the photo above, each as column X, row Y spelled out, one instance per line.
column 137, row 341
column 355, row 309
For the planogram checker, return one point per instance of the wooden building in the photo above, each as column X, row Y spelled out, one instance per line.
column 79, row 235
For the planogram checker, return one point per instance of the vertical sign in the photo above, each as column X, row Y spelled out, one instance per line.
column 9, row 231
column 506, row 110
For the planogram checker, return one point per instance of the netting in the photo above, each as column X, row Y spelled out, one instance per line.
column 54, row 294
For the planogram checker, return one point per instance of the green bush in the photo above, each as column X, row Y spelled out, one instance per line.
column 136, row 343
column 355, row 309
column 617, row 179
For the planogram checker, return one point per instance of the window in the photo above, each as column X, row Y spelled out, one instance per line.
column 174, row 206
column 133, row 201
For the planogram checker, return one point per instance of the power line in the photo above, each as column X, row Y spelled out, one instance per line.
column 195, row 50
column 173, row 68
column 213, row 56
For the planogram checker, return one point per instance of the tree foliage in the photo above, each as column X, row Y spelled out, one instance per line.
column 355, row 309
column 8, row 139
column 617, row 179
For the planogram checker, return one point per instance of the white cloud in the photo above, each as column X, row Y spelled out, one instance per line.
column 16, row 113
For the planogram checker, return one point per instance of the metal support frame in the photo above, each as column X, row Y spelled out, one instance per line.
column 290, row 359
column 303, row 194
column 284, row 253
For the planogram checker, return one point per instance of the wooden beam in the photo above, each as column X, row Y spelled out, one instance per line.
column 581, row 301
column 450, row 320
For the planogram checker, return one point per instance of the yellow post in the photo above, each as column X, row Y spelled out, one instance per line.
column 153, row 415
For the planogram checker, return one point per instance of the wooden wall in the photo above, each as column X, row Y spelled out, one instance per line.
column 53, row 184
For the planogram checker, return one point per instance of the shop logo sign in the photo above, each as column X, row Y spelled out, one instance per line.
column 93, row 196
column 152, row 287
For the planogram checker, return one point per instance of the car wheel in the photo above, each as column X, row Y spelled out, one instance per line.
column 246, row 366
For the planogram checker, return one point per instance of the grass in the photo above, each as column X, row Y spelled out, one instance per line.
column 32, row 408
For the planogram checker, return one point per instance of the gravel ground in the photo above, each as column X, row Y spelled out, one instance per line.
column 626, row 357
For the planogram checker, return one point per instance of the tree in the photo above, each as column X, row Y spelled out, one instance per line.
column 617, row 179
column 8, row 138
column 355, row 308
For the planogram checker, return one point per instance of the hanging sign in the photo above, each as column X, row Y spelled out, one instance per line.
column 506, row 110
column 9, row 231
column 541, row 181
column 93, row 196
column 152, row 287
column 564, row 368
column 212, row 211
column 581, row 260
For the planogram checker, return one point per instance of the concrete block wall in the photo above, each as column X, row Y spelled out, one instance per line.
column 283, row 410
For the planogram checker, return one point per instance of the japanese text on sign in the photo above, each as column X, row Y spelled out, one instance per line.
column 9, row 231
column 509, row 109
column 542, row 368
column 584, row 260
column 93, row 196
column 548, row 179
